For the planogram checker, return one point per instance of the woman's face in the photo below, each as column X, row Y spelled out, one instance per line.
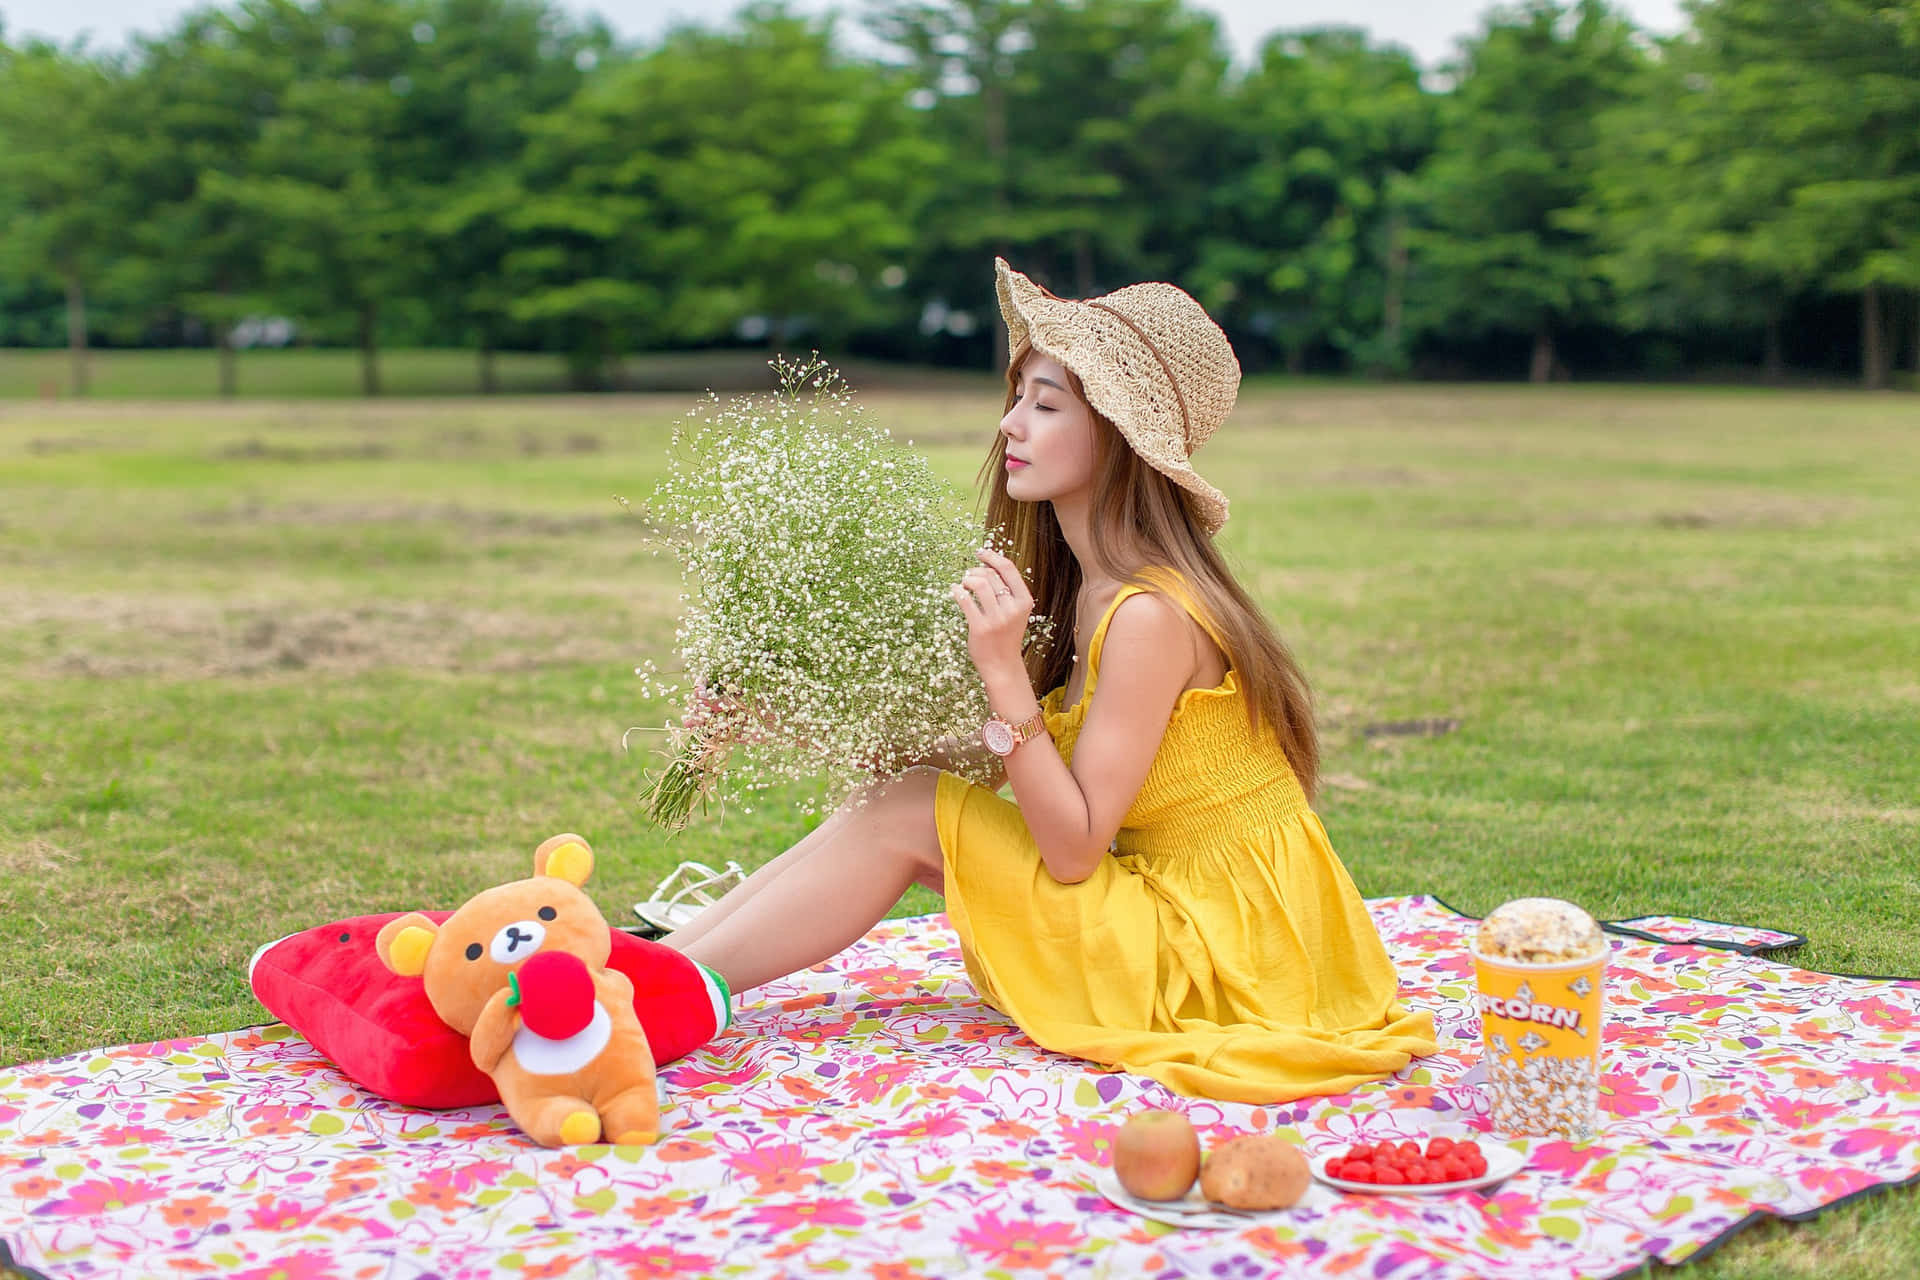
column 1049, row 431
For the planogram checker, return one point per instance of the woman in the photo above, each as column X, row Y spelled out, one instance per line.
column 1158, row 895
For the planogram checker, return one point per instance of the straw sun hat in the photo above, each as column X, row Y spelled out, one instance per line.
column 1151, row 361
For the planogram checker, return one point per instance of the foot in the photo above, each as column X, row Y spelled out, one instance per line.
column 580, row 1128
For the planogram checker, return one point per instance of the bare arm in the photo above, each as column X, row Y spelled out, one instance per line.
column 967, row 756
column 1147, row 660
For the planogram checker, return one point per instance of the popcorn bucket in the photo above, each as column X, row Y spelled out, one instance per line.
column 1541, row 969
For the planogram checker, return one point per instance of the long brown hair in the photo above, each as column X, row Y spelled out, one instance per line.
column 1161, row 532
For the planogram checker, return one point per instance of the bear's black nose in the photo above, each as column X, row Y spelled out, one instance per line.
column 515, row 937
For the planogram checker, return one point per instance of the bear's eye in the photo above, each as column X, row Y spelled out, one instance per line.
column 346, row 937
column 548, row 913
column 473, row 951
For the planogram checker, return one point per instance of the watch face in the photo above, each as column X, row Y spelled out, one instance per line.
column 998, row 735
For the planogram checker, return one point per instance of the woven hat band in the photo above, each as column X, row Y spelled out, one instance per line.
column 1186, row 419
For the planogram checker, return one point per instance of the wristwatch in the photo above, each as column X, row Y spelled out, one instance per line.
column 1002, row 736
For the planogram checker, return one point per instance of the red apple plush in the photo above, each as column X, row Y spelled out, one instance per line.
column 554, row 994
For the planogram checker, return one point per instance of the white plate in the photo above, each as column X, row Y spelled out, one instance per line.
column 1502, row 1163
column 1193, row 1210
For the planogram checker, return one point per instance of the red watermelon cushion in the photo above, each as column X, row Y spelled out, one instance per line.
column 377, row 1027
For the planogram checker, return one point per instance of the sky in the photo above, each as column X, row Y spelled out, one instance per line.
column 1428, row 27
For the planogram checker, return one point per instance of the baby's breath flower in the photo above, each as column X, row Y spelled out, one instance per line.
column 818, row 630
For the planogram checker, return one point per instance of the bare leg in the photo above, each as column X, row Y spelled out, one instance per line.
column 830, row 895
column 698, row 927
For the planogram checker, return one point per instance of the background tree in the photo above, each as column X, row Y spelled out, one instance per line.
column 491, row 65
column 1120, row 130
column 1305, row 244
column 1501, row 249
column 62, row 172
column 493, row 173
column 1081, row 139
column 201, row 96
column 961, row 56
column 1675, row 198
column 749, row 174
column 337, row 168
column 1819, row 106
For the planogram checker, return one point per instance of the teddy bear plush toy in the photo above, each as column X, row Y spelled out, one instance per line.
column 521, row 971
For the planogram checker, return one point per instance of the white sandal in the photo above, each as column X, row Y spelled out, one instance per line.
column 691, row 889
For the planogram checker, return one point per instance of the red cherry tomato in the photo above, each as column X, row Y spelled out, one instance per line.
column 1410, row 1163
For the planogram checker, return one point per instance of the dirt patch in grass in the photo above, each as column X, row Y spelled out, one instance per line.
column 575, row 442
column 1770, row 512
column 1723, row 514
column 1433, row 727
column 63, row 444
column 466, row 442
column 36, row 857
column 1369, row 478
column 254, row 449
column 450, row 515
column 1848, row 810
column 110, row 637
column 178, row 893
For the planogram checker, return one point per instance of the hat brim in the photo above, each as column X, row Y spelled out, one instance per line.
column 1136, row 395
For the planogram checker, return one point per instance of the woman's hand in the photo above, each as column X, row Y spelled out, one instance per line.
column 997, row 604
column 706, row 707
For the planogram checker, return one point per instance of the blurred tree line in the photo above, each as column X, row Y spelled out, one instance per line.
column 1570, row 196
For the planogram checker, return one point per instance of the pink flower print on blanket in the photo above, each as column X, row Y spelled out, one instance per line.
column 1021, row 1244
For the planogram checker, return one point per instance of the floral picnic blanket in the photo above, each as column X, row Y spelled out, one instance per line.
column 871, row 1118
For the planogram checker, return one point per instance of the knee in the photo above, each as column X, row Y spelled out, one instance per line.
column 910, row 791
column 901, row 811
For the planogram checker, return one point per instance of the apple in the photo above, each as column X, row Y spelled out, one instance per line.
column 1156, row 1154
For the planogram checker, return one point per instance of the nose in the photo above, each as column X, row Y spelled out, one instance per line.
column 1013, row 424
column 517, row 941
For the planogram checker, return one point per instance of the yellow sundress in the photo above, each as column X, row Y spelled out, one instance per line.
column 1222, row 949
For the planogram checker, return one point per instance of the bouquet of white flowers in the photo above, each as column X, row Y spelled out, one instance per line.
column 818, row 632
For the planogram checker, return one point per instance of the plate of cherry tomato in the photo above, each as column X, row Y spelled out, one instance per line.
column 1407, row 1167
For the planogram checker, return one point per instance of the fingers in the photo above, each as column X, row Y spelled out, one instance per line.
column 984, row 583
column 968, row 605
column 1007, row 572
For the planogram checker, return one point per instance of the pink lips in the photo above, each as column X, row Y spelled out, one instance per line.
column 1015, row 464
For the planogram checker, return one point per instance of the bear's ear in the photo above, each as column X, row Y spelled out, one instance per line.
column 564, row 856
column 402, row 943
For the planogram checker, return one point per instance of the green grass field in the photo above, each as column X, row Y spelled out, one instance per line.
column 268, row 662
column 334, row 372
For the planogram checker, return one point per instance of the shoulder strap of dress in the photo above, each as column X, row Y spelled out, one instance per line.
column 1175, row 588
column 1161, row 581
column 1099, row 639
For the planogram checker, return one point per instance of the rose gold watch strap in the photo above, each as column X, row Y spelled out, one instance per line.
column 1032, row 727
